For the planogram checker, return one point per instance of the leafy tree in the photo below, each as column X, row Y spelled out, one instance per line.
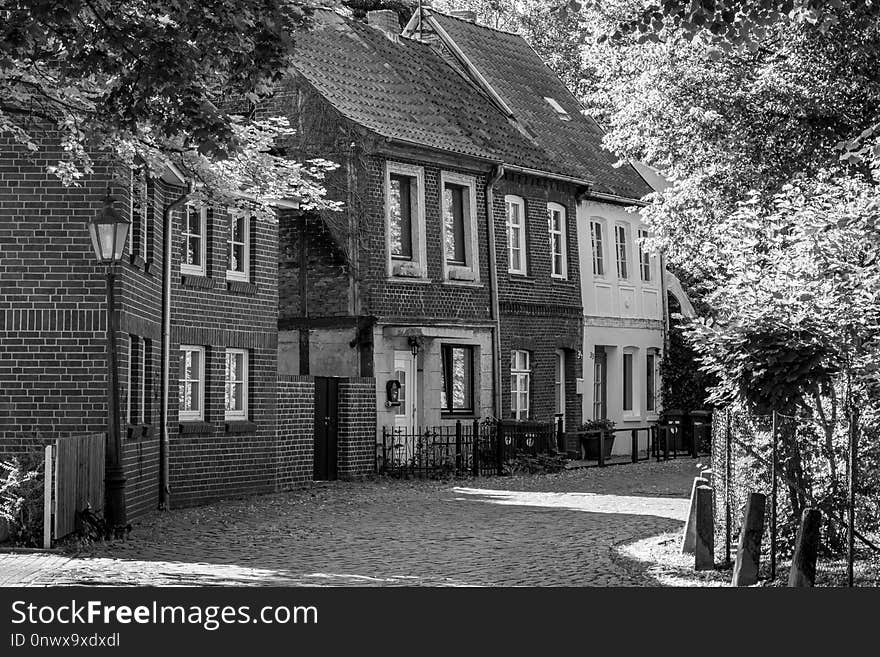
column 403, row 8
column 149, row 79
column 764, row 116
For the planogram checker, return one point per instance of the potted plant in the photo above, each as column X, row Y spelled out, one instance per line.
column 590, row 442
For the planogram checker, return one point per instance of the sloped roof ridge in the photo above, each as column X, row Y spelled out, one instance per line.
column 476, row 24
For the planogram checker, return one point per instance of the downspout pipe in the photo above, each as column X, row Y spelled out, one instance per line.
column 494, row 177
column 164, row 442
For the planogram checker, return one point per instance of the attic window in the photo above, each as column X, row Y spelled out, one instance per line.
column 559, row 110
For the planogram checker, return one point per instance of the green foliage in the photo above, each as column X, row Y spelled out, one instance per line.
column 403, row 8
column 21, row 499
column 603, row 424
column 152, row 81
column 684, row 384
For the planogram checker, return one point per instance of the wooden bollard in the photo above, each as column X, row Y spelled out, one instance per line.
column 689, row 537
column 806, row 550
column 704, row 548
column 748, row 552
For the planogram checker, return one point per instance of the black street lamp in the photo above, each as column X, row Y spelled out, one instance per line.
column 109, row 230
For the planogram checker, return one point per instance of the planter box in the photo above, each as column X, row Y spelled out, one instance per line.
column 591, row 446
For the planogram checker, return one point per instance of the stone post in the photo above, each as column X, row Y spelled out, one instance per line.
column 748, row 552
column 704, row 549
column 806, row 549
column 689, row 537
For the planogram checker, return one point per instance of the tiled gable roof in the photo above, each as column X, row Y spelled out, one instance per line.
column 404, row 90
column 519, row 76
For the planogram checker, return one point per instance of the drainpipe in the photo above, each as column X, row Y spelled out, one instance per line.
column 164, row 443
column 495, row 176
column 665, row 329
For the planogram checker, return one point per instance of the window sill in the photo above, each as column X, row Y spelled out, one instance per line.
column 407, row 269
column 137, row 262
column 136, row 431
column 520, row 278
column 407, row 279
column 196, row 427
column 241, row 287
column 196, row 280
column 463, row 415
column 240, row 426
column 460, row 283
column 150, row 266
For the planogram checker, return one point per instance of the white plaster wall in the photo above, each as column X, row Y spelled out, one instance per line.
column 615, row 340
column 607, row 295
column 618, row 314
column 386, row 340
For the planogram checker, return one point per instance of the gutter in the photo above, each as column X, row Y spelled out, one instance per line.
column 495, row 176
column 164, row 443
column 614, row 198
column 546, row 174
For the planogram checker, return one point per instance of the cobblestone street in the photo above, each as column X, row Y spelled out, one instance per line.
column 550, row 530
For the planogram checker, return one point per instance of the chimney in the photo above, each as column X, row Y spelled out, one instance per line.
column 465, row 15
column 385, row 20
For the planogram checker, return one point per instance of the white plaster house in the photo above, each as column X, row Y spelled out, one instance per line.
column 624, row 292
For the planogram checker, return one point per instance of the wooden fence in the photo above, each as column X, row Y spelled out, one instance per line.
column 74, row 480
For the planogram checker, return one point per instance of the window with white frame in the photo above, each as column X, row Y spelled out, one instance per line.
column 651, row 381
column 131, row 377
column 138, row 380
column 457, row 394
column 556, row 224
column 405, row 220
column 194, row 237
column 520, row 381
column 620, row 247
column 598, row 241
column 236, row 384
column 139, row 208
column 644, row 257
column 238, row 245
column 600, row 383
column 191, row 383
column 459, row 228
column 146, row 379
column 516, row 234
column 628, row 380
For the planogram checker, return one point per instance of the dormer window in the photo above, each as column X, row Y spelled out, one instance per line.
column 560, row 111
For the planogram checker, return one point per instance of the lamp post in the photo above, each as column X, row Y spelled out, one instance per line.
column 109, row 230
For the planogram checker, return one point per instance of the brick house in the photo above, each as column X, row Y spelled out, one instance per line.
column 455, row 267
column 221, row 413
column 621, row 286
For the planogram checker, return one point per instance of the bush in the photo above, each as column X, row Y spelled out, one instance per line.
column 21, row 499
column 595, row 425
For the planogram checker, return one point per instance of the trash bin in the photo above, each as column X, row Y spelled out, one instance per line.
column 701, row 426
column 673, row 421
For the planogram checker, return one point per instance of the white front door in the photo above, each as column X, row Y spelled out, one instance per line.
column 404, row 371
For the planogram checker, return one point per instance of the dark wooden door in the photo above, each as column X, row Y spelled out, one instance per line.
column 326, row 423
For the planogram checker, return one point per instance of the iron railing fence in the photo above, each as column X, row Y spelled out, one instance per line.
column 465, row 448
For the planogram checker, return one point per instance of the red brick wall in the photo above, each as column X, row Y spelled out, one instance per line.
column 52, row 351
column 357, row 427
column 540, row 314
column 296, row 431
